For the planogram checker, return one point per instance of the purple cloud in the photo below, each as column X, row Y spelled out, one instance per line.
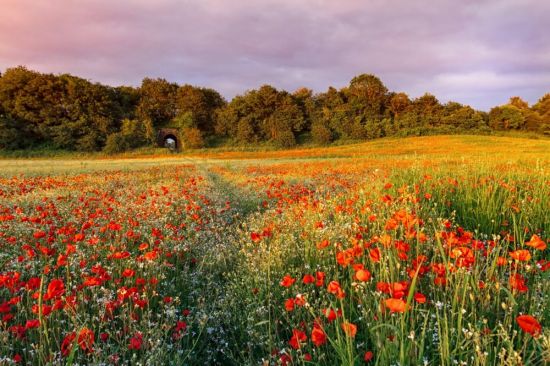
column 474, row 52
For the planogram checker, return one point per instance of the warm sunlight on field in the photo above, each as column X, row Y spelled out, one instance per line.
column 414, row 251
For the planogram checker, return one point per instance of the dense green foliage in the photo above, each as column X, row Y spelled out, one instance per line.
column 71, row 113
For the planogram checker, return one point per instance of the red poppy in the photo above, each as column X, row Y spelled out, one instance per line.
column 349, row 329
column 318, row 336
column 128, row 273
column 374, row 254
column 308, row 279
column 56, row 288
column 363, row 275
column 255, row 237
column 67, row 344
column 86, row 340
column 152, row 255
column 300, row 300
column 136, row 342
column 529, row 325
column 334, row 288
column 92, row 281
column 396, row 305
column 320, row 279
column 34, row 323
column 180, row 325
column 289, row 304
column 419, row 298
column 287, row 281
column 323, row 244
column 536, row 243
column 298, row 336
column 330, row 314
column 517, row 282
column 368, row 356
column 521, row 255
column 120, row 255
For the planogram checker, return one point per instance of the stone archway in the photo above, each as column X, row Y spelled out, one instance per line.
column 169, row 138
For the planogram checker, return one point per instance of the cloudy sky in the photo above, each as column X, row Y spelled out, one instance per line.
column 475, row 52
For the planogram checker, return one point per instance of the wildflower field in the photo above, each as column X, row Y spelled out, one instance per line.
column 417, row 251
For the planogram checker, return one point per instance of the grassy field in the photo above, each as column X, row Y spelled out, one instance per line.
column 416, row 251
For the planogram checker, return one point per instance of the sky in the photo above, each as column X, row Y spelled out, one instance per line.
column 474, row 52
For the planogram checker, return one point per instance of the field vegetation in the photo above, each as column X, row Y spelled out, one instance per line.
column 399, row 251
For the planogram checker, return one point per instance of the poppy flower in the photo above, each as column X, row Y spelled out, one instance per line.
column 55, row 289
column 536, row 242
column 334, row 288
column 396, row 305
column 319, row 279
column 34, row 323
column 86, row 340
column 255, row 237
column 363, row 275
column 420, row 298
column 330, row 314
column 374, row 254
column 120, row 255
column 287, row 281
column 318, row 336
column 517, row 282
column 150, row 256
column 298, row 337
column 521, row 255
column 289, row 304
column 136, row 342
column 128, row 273
column 368, row 356
column 67, row 344
column 529, row 325
column 308, row 279
column 300, row 300
column 323, row 244
column 349, row 329
column 180, row 325
column 92, row 281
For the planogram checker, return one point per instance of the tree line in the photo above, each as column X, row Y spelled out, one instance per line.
column 72, row 113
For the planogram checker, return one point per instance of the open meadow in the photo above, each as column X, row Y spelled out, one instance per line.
column 413, row 251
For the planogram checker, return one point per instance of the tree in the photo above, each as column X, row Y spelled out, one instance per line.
column 265, row 114
column 464, row 117
column 201, row 103
column 157, row 104
column 367, row 95
column 429, row 110
column 305, row 100
column 506, row 117
column 11, row 136
column 321, row 133
column 518, row 103
column 398, row 104
column 131, row 135
column 540, row 121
